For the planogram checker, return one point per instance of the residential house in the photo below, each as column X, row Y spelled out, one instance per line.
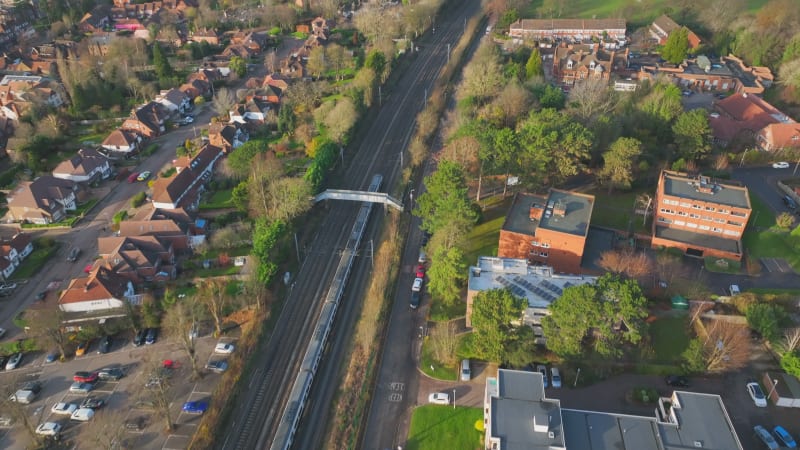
column 729, row 73
column 744, row 118
column 165, row 229
column 131, row 25
column 102, row 290
column 147, row 121
column 206, row 35
column 175, row 100
column 573, row 63
column 27, row 91
column 184, row 187
column 276, row 80
column 98, row 19
column 87, row 166
column 538, row 285
column 700, row 216
column 237, row 50
column 568, row 29
column 226, row 136
column 518, row 415
column 547, row 230
column 195, row 88
column 139, row 258
column 196, row 228
column 663, row 26
column 267, row 94
column 254, row 110
column 13, row 252
column 43, row 200
column 122, row 141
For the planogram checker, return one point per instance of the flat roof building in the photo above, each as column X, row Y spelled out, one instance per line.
column 547, row 230
column 518, row 416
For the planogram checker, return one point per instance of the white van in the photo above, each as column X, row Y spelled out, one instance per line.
column 555, row 377
column 465, row 372
column 82, row 414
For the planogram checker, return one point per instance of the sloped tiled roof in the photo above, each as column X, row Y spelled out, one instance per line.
column 41, row 193
column 101, row 284
column 120, row 138
column 86, row 161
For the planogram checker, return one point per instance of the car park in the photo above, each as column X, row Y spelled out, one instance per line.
column 62, row 408
column 780, row 165
column 110, row 374
column 14, row 361
column 543, row 370
column 783, row 437
column 85, row 377
column 80, row 388
column 132, row 177
column 143, row 176
column 93, row 402
column 417, row 286
column 677, row 381
column 82, row 415
column 756, row 394
column 224, row 348
column 217, row 366
column 439, row 398
column 763, row 435
column 194, row 407
column 48, row 429
column 152, row 335
column 105, row 344
column 145, row 404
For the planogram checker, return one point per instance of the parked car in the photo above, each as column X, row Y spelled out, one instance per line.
column 152, row 335
column 420, row 272
column 80, row 388
column 93, row 403
column 439, row 398
column 14, row 361
column 82, row 415
column 543, row 370
column 763, row 435
column 2, row 332
column 73, row 254
column 132, row 177
column 217, row 366
column 139, row 338
column 81, row 349
column 105, row 344
column 143, row 176
column 51, row 357
column 49, row 429
column 417, row 286
column 415, row 298
column 555, row 377
column 136, row 423
column 757, row 394
column 41, row 295
column 224, row 347
column 780, row 165
column 423, row 258
column 789, row 202
column 466, row 372
column 194, row 407
column 714, row 115
column 62, row 408
column 85, row 377
column 783, row 437
column 110, row 374
column 734, row 289
column 677, row 381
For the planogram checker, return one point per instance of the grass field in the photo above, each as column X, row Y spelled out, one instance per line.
column 634, row 11
column 433, row 368
column 616, row 211
column 763, row 240
column 218, row 199
column 483, row 239
column 669, row 337
column 439, row 427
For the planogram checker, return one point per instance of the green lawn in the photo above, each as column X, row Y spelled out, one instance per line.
column 670, row 338
column 440, row 312
column 439, row 427
column 433, row 368
column 616, row 211
column 634, row 11
column 721, row 265
column 484, row 237
column 34, row 262
column 218, row 200
column 762, row 215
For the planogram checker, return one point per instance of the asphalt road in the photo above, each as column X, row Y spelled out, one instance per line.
column 254, row 424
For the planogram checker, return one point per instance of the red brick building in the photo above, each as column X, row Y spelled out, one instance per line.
column 700, row 216
column 547, row 230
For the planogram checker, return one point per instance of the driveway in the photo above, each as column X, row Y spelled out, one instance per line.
column 763, row 181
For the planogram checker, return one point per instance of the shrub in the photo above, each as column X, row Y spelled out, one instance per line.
column 138, row 200
column 120, row 216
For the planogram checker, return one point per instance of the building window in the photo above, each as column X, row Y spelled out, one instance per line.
column 705, row 227
column 664, row 220
column 670, row 202
column 724, row 211
column 694, row 216
column 667, row 211
column 545, row 245
column 716, row 230
column 707, row 218
column 719, row 220
column 710, row 208
column 543, row 254
column 738, row 214
column 534, row 243
column 697, row 207
column 691, row 225
column 736, row 224
column 685, row 205
column 682, row 213
column 731, row 232
column 680, row 223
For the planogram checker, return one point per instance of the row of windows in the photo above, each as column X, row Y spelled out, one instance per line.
column 698, row 216
column 667, row 201
column 681, row 223
column 542, row 254
column 540, row 244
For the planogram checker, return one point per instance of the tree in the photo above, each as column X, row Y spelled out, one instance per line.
column 212, row 295
column 341, row 119
column 725, row 347
column 18, row 411
column 493, row 311
column 791, row 340
column 105, row 430
column 552, row 146
column 445, row 199
column 789, row 73
column 240, row 196
column 626, row 262
column 534, row 65
column 240, row 162
column 159, row 389
column 693, row 134
column 447, row 273
column 376, row 61
column 766, row 319
column 514, row 102
column 47, row 329
column 162, row 67
column 609, row 313
column 790, row 363
column 784, row 220
column 224, row 101
column 274, row 195
column 483, row 76
column 178, row 321
column 286, row 119
column 238, row 66
column 676, row 48
column 317, row 64
column 591, row 99
column 618, row 163
column 444, row 342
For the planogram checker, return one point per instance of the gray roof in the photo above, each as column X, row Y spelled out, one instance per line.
column 680, row 185
column 699, row 239
column 518, row 217
column 604, row 431
column 701, row 418
column 575, row 221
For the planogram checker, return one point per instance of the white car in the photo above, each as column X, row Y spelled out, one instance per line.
column 2, row 332
column 64, row 408
column 224, row 348
column 14, row 362
column 48, row 429
column 80, row 388
column 757, row 394
column 439, row 398
column 780, row 165
column 417, row 286
column 82, row 415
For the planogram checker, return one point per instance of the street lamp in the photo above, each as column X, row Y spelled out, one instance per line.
column 454, row 398
column 411, row 197
column 774, row 385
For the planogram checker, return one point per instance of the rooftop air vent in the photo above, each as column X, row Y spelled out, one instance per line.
column 551, row 435
column 698, row 444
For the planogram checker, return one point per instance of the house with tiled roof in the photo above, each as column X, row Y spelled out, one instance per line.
column 745, row 117
column 276, row 80
column 226, row 136
column 95, row 20
column 139, row 259
column 182, row 190
column 122, row 141
column 663, row 26
column 164, row 229
column 237, row 50
column 205, row 35
column 728, row 73
column 102, row 290
column 175, row 100
column 43, row 200
column 87, row 166
column 576, row 62
column 195, row 88
column 147, row 121
column 13, row 252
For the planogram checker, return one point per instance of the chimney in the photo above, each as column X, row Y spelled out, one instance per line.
column 536, row 212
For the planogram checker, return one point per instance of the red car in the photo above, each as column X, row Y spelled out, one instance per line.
column 85, row 377
column 420, row 271
column 132, row 178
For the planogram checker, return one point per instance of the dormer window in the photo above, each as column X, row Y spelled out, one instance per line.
column 591, row 65
column 569, row 64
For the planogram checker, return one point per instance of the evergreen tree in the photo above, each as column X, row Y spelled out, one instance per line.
column 534, row 65
column 163, row 69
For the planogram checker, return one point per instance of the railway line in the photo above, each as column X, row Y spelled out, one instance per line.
column 273, row 373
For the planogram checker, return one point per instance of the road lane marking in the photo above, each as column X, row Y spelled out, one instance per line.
column 396, row 397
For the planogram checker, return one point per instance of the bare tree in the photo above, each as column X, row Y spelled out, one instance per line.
column 718, row 14
column 105, row 430
column 211, row 294
column 444, row 342
column 317, row 63
column 727, row 346
column 644, row 204
column 46, row 327
column 590, row 99
column 157, row 389
column 18, row 411
column 179, row 322
column 628, row 262
column 286, row 16
column 341, row 119
column 514, row 101
column 274, row 195
column 721, row 162
column 224, row 101
column 791, row 340
column 483, row 76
